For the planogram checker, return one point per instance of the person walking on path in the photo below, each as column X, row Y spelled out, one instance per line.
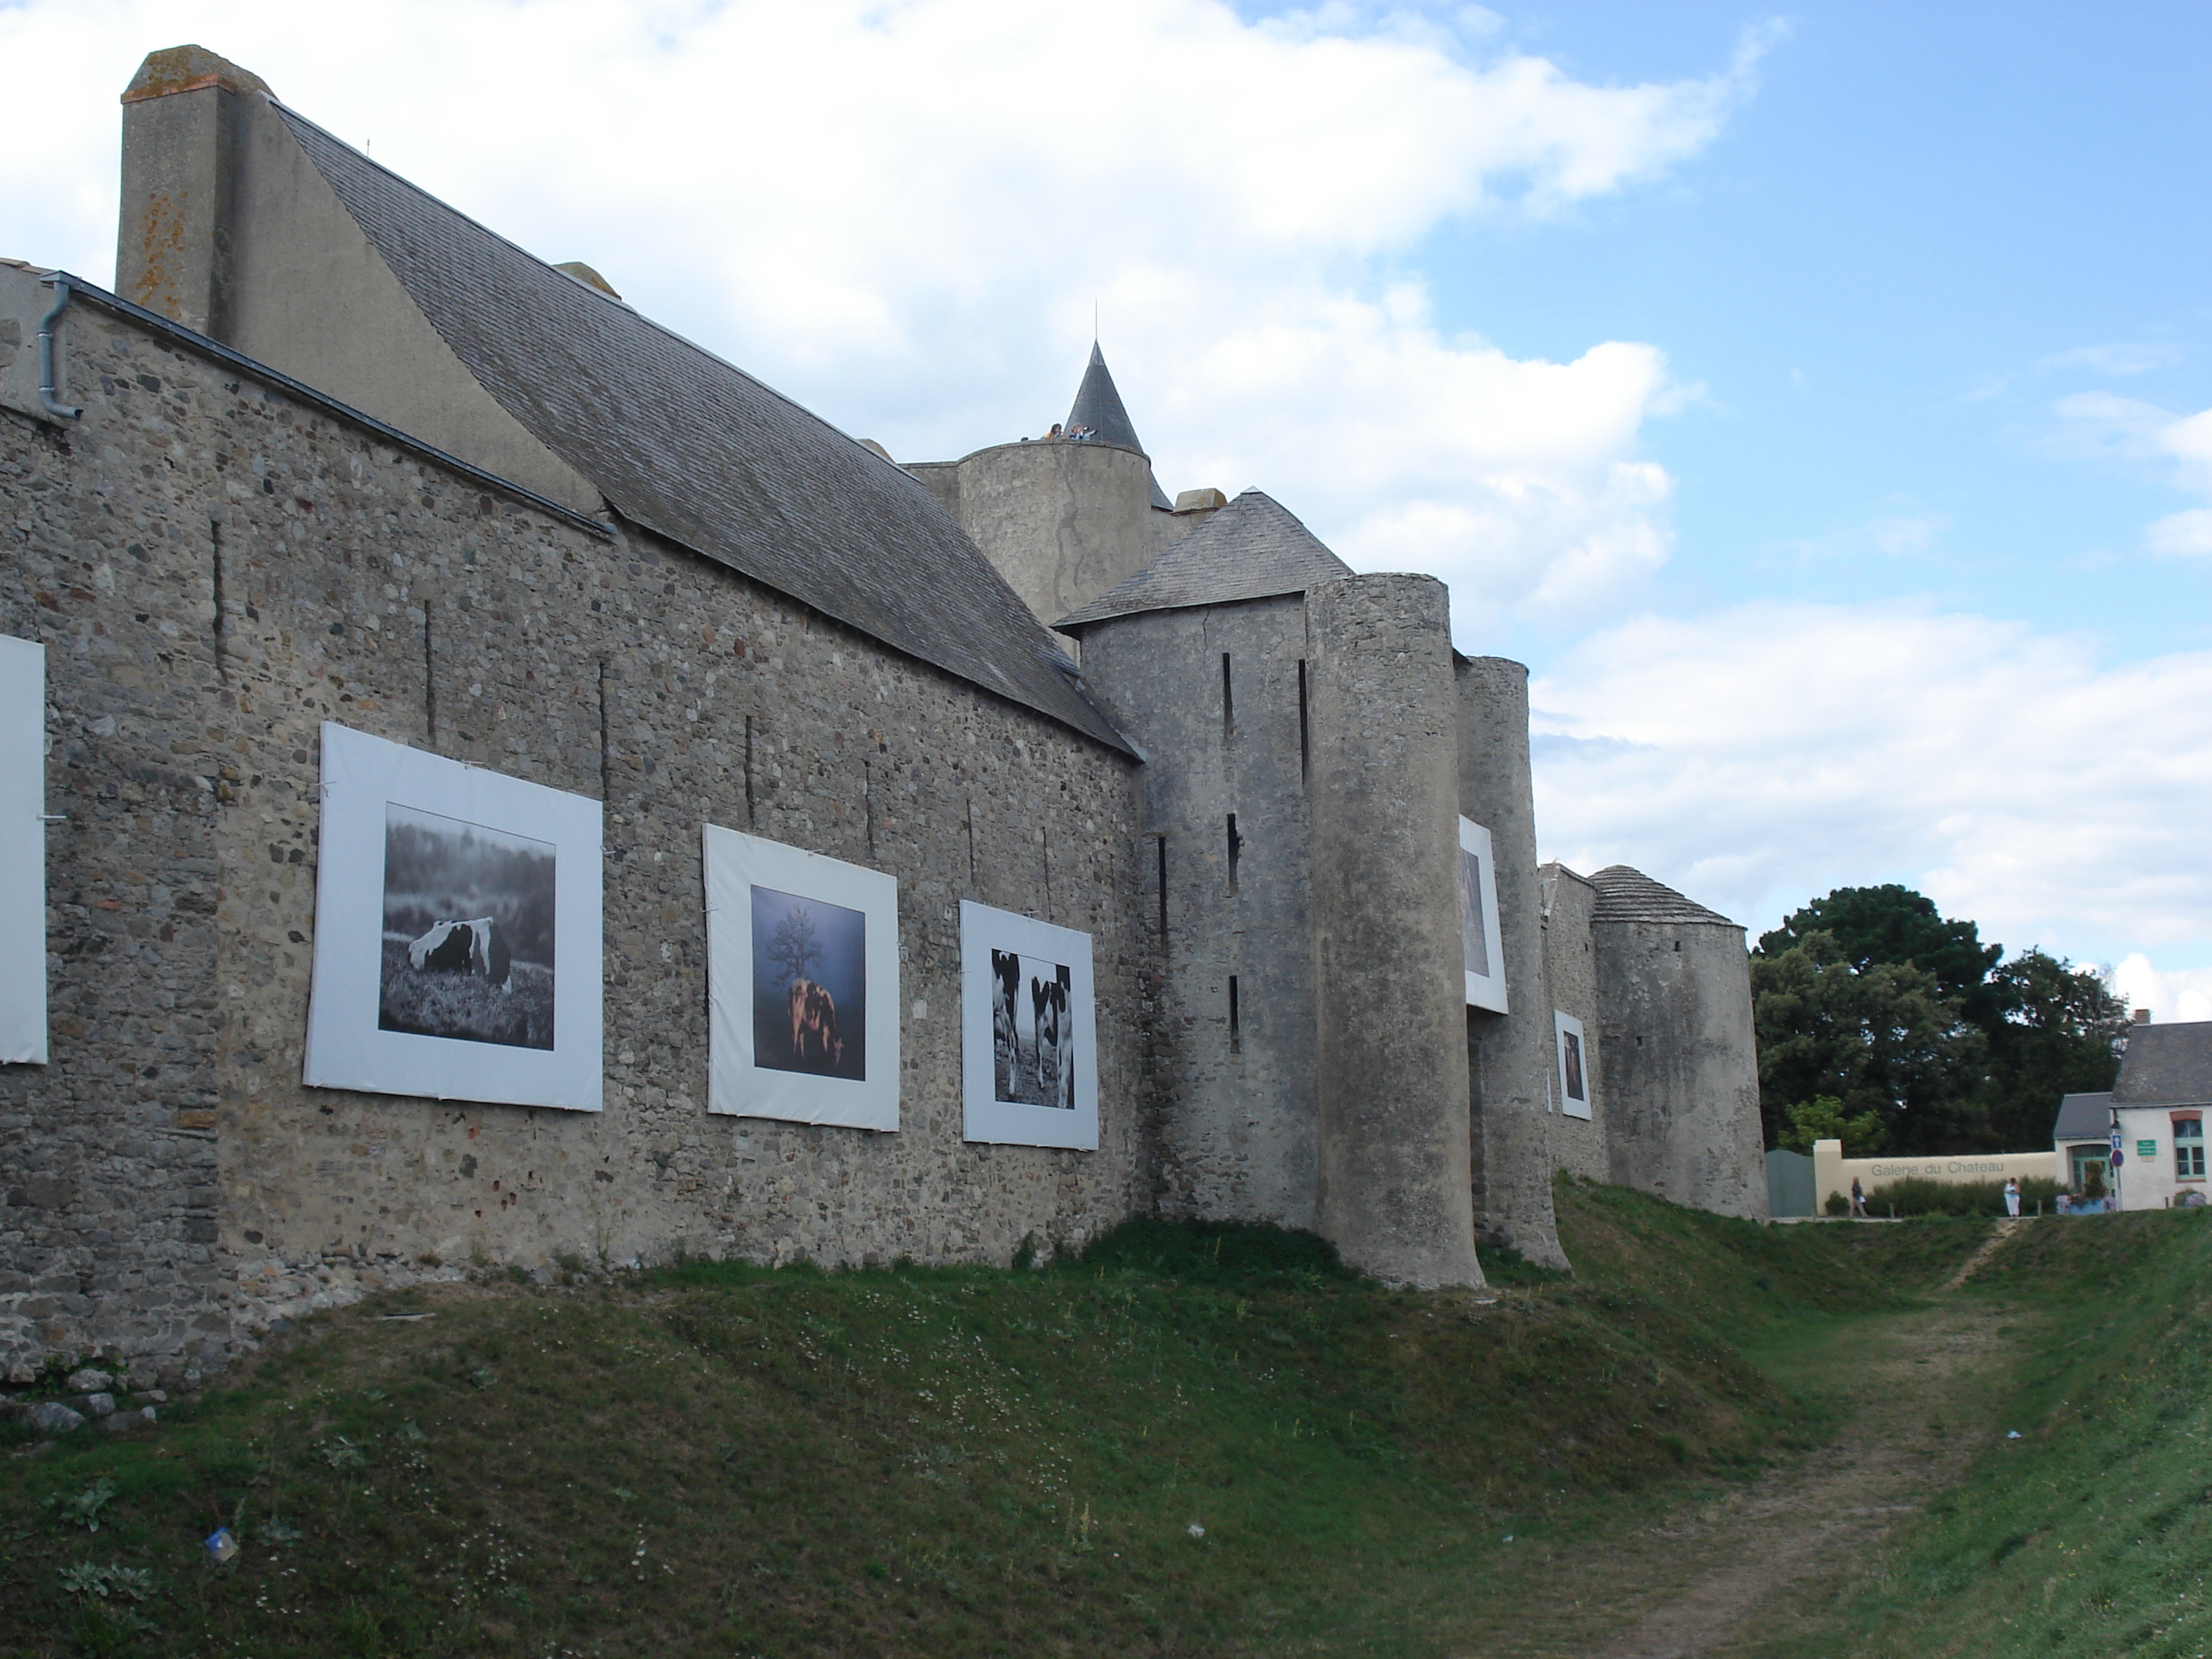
column 2012, row 1196
column 1858, row 1199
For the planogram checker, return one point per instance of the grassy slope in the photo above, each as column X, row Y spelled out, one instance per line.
column 2092, row 1534
column 717, row 1459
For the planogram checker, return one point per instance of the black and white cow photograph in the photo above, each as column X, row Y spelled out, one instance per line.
column 468, row 931
column 1032, row 1035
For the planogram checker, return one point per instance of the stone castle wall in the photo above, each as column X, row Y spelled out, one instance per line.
column 1681, row 1062
column 1236, row 1114
column 215, row 568
column 1509, row 1055
column 1578, row 1146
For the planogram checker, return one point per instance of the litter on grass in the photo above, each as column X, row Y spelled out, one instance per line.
column 221, row 1544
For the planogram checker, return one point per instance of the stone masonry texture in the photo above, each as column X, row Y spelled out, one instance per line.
column 1390, row 1075
column 1578, row 1144
column 216, row 569
column 1510, row 1057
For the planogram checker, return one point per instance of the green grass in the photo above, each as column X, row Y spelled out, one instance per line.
column 714, row 1458
column 2091, row 1534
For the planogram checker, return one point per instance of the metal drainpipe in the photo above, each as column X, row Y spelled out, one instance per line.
column 47, row 375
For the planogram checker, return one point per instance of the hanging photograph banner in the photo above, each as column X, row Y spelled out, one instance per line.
column 1481, row 944
column 803, row 980
column 457, row 932
column 1574, row 1065
column 1029, row 1031
column 23, row 852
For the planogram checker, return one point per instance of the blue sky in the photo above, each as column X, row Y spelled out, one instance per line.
column 1929, row 225
column 1816, row 399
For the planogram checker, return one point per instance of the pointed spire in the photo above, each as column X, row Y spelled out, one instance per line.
column 1098, row 407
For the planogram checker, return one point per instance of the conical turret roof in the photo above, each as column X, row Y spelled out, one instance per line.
column 1098, row 406
column 1253, row 549
column 1628, row 894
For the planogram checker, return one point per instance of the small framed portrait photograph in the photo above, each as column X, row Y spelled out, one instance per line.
column 802, row 975
column 457, row 932
column 1574, row 1065
column 1029, row 1031
column 1482, row 945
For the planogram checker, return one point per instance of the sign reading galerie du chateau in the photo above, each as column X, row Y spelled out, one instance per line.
column 803, row 978
column 1029, row 1031
column 457, row 932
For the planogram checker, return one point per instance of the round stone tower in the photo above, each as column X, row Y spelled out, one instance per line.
column 1674, row 993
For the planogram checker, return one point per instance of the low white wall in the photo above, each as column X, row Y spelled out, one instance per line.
column 1833, row 1173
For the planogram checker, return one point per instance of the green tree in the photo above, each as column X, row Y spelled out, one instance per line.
column 1893, row 924
column 1882, row 1039
column 2057, row 1032
column 1822, row 1118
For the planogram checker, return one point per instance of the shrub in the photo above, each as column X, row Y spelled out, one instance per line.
column 1919, row 1197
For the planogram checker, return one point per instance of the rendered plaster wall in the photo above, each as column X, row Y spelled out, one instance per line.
column 1063, row 522
column 1571, row 972
column 1681, row 1063
column 227, row 227
column 214, row 570
column 1235, row 1108
column 1509, row 1056
column 1388, row 987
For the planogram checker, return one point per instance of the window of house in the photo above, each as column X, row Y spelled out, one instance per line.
column 2189, row 1148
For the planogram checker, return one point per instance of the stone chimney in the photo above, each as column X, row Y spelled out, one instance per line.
column 2143, row 1015
column 182, row 129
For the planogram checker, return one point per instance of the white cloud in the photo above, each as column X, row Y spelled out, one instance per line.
column 2183, row 994
column 903, row 213
column 2098, row 425
column 2119, row 357
column 1758, row 757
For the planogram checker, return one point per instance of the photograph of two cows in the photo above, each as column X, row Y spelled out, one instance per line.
column 1032, row 1035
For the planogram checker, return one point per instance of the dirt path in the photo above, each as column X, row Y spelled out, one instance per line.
column 1762, row 1565
column 2000, row 1236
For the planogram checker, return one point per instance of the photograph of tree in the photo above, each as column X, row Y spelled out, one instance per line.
column 468, row 930
column 809, row 985
column 802, row 984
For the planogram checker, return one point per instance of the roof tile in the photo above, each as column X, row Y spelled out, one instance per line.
column 1626, row 895
column 1252, row 549
column 689, row 446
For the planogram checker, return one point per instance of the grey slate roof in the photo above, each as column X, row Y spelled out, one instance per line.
column 1626, row 895
column 1098, row 406
column 2167, row 1066
column 683, row 443
column 2083, row 1117
column 1252, row 549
